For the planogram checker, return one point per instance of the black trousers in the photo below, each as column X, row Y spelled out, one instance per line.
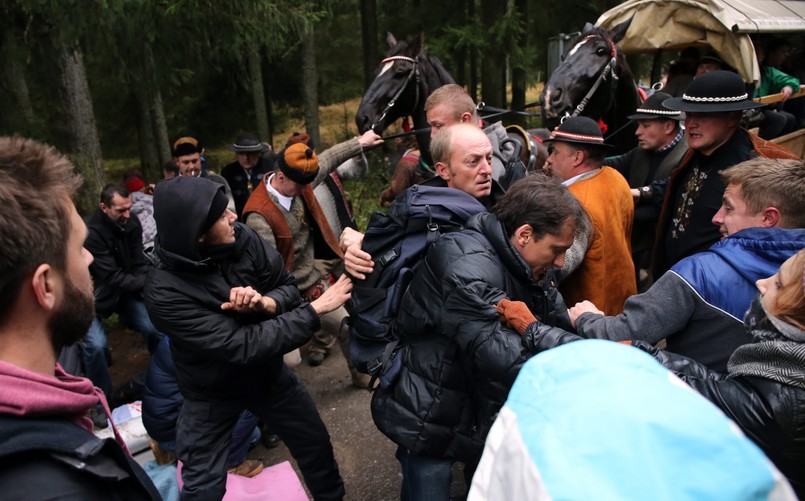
column 205, row 427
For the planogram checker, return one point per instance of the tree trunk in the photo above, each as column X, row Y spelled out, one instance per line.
column 461, row 55
column 258, row 93
column 473, row 79
column 157, row 111
column 493, row 63
column 269, row 109
column 86, row 147
column 369, row 38
column 310, row 86
column 149, row 156
column 518, row 67
column 15, row 75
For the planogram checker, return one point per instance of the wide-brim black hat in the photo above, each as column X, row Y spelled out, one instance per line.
column 579, row 130
column 652, row 109
column 714, row 92
column 247, row 143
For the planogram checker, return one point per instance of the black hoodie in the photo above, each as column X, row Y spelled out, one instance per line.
column 219, row 354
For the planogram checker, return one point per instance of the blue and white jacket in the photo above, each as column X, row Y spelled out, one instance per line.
column 699, row 304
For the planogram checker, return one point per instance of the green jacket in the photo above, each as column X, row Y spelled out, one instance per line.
column 773, row 80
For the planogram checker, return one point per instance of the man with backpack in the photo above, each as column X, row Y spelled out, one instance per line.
column 455, row 360
column 449, row 105
column 399, row 239
column 462, row 157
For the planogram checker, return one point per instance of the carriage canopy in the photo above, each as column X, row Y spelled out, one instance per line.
column 724, row 26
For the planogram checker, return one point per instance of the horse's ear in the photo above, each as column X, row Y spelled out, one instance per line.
column 416, row 43
column 588, row 27
column 391, row 39
column 620, row 30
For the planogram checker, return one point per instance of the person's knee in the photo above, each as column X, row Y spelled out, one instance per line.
column 95, row 340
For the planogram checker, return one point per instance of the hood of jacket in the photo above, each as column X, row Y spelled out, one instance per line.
column 181, row 206
column 757, row 252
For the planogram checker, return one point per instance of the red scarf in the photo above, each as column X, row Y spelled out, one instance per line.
column 31, row 394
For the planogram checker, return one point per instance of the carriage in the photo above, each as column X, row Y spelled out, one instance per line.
column 725, row 27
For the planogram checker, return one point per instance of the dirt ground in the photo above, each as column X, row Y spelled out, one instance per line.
column 365, row 456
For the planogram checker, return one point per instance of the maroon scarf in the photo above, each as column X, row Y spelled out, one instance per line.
column 31, row 394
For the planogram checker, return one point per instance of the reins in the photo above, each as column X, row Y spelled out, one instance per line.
column 483, row 107
column 411, row 74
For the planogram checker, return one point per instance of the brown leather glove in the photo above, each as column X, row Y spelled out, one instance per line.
column 515, row 314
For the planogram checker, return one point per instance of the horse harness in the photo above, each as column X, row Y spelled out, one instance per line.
column 411, row 74
column 609, row 67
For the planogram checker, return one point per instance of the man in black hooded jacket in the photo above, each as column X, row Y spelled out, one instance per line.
column 231, row 311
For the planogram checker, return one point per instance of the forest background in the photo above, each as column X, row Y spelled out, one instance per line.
column 112, row 83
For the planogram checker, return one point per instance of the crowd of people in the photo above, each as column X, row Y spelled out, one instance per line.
column 688, row 248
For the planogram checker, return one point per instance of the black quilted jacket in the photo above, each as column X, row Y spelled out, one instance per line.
column 459, row 360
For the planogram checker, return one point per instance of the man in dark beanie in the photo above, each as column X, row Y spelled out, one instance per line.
column 188, row 157
column 231, row 311
column 285, row 212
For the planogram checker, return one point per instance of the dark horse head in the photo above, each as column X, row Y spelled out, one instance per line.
column 402, row 83
column 594, row 80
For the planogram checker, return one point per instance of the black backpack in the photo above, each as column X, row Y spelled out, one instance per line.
column 397, row 242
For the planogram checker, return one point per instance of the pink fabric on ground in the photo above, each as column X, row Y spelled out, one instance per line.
column 275, row 482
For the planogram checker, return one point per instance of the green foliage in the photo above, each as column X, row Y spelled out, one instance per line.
column 365, row 192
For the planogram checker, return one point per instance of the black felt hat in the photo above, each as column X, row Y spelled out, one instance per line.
column 653, row 109
column 247, row 143
column 579, row 130
column 714, row 92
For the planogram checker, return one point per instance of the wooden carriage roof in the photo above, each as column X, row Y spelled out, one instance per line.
column 723, row 25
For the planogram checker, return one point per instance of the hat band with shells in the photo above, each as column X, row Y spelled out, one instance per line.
column 730, row 99
column 649, row 111
column 247, row 147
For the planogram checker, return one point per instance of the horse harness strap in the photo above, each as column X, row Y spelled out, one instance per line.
column 609, row 67
column 414, row 72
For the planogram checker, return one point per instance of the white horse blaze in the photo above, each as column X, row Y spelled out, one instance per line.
column 386, row 67
column 548, row 99
column 576, row 47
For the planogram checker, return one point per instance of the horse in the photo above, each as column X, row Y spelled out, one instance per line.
column 403, row 81
column 594, row 80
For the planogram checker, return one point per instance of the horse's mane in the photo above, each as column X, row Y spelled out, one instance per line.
column 437, row 65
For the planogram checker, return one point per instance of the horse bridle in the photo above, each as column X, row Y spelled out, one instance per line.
column 411, row 74
column 609, row 67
